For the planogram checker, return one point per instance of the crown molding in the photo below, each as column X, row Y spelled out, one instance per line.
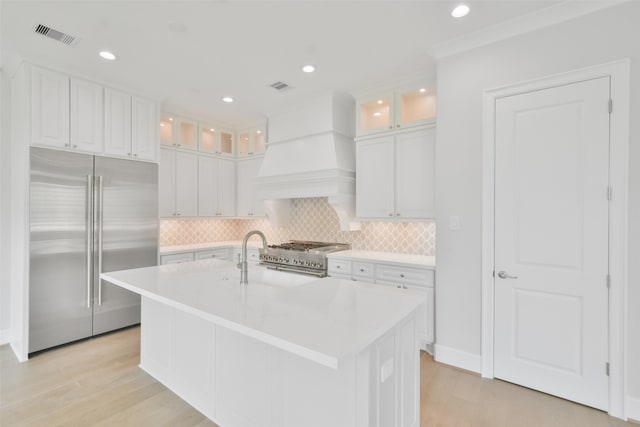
column 552, row 15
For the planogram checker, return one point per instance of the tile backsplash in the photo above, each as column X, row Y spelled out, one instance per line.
column 311, row 219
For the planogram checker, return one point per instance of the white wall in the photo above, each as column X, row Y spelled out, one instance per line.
column 5, row 217
column 605, row 36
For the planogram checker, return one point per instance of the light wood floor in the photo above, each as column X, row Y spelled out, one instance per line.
column 98, row 383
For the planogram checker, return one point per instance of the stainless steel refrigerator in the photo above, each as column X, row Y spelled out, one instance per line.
column 88, row 214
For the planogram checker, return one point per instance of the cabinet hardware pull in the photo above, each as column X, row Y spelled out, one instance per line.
column 75, row 146
column 397, row 126
column 135, row 155
column 390, row 127
column 397, row 214
column 402, row 275
column 128, row 154
column 390, row 214
column 362, row 270
column 66, row 145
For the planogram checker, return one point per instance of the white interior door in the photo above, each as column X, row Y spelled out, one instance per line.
column 551, row 225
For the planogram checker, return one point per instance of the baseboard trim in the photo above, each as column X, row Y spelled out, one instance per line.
column 459, row 359
column 632, row 409
column 5, row 336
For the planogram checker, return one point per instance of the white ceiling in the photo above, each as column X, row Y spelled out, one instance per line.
column 238, row 48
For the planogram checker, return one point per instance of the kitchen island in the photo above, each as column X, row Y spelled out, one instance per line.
column 286, row 350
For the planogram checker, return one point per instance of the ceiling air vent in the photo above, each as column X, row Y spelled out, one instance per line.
column 280, row 86
column 67, row 39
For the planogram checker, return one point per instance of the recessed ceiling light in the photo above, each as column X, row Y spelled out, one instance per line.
column 377, row 114
column 460, row 11
column 227, row 99
column 379, row 101
column 422, row 90
column 308, row 68
column 107, row 55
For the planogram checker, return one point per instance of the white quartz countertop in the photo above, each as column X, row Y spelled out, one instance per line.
column 175, row 249
column 387, row 257
column 324, row 320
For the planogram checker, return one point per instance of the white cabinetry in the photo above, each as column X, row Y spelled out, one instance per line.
column 217, row 141
column 49, row 108
column 74, row 114
column 395, row 176
column 251, row 141
column 178, row 184
column 117, row 119
column 87, row 116
column 248, row 205
column 399, row 276
column 176, row 258
column 216, row 187
column 178, row 132
column 144, row 122
column 405, row 107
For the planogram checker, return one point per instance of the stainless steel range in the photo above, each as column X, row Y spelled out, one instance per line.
column 300, row 256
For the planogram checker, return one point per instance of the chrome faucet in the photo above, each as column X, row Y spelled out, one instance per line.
column 242, row 263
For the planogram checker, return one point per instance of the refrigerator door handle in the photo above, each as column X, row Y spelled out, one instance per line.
column 99, row 226
column 89, row 240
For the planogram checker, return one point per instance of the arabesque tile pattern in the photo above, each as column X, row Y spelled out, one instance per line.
column 311, row 219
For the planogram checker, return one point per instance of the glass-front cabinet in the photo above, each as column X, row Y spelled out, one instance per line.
column 252, row 141
column 406, row 107
column 178, row 132
column 216, row 141
column 375, row 114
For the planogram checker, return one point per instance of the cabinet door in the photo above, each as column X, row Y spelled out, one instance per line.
column 208, row 139
column 225, row 143
column 168, row 134
column 187, row 134
column 226, row 187
column 186, row 184
column 251, row 141
column 144, row 123
column 167, row 183
column 49, row 108
column 414, row 105
column 375, row 178
column 176, row 258
column 87, row 116
column 424, row 316
column 415, row 153
column 375, row 114
column 117, row 123
column 248, row 204
column 207, row 186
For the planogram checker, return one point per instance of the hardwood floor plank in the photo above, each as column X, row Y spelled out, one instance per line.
column 98, row 383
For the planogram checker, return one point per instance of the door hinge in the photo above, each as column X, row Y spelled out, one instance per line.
column 608, row 280
column 607, row 368
column 610, row 106
column 609, row 192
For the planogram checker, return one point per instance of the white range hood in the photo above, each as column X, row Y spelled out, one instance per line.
column 311, row 153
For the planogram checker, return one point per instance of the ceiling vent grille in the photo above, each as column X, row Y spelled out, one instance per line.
column 280, row 86
column 67, row 39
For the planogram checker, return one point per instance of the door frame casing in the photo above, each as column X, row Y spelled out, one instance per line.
column 619, row 73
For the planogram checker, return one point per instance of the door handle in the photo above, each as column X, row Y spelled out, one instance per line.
column 100, row 215
column 89, row 236
column 504, row 275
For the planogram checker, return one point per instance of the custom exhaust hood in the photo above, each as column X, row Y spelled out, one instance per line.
column 311, row 153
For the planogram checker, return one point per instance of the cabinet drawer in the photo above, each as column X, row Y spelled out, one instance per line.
column 213, row 253
column 362, row 270
column 338, row 266
column 176, row 258
column 404, row 275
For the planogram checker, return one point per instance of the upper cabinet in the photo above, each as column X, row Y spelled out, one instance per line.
column 395, row 176
column 247, row 202
column 87, row 116
column 50, row 108
column 78, row 115
column 178, row 132
column 403, row 108
column 252, row 141
column 216, row 141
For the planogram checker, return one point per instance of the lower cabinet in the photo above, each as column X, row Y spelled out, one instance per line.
column 223, row 253
column 402, row 277
column 236, row 380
